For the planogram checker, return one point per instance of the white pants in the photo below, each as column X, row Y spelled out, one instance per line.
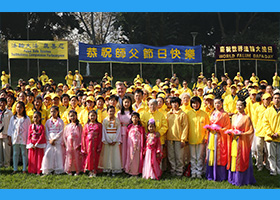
column 274, row 157
column 175, row 156
column 261, row 148
column 197, row 152
column 5, row 153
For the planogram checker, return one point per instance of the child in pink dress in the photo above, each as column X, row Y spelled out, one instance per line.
column 135, row 146
column 36, row 143
column 72, row 139
column 91, row 143
column 151, row 165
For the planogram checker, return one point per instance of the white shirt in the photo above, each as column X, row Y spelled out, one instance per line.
column 18, row 129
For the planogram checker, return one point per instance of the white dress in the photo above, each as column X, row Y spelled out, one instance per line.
column 111, row 154
column 53, row 158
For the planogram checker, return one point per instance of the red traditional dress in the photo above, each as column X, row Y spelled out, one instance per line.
column 151, row 165
column 239, row 151
column 91, row 146
column 36, row 143
column 72, row 138
column 217, row 147
column 135, row 149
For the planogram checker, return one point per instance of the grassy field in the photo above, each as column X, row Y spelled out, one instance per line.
column 123, row 181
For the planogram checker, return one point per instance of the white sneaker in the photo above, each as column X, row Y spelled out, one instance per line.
column 193, row 176
column 198, row 176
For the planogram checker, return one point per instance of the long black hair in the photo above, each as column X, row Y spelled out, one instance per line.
column 130, row 107
column 135, row 114
column 24, row 111
column 40, row 115
column 74, row 112
column 57, row 109
column 92, row 111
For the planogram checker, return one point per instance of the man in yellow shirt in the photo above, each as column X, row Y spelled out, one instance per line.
column 5, row 78
column 73, row 106
column 214, row 79
column 83, row 117
column 239, row 77
column 43, row 78
column 101, row 109
column 177, row 136
column 230, row 101
column 276, row 80
column 106, row 76
column 69, row 79
column 199, row 83
column 185, row 88
column 271, row 121
column 78, row 77
column 260, row 133
column 197, row 136
column 254, row 78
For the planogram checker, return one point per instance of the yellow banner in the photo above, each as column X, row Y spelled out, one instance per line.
column 32, row 49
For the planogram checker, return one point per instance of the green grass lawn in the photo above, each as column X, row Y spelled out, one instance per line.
column 123, row 181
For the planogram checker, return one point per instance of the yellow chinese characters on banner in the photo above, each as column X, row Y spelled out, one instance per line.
column 32, row 49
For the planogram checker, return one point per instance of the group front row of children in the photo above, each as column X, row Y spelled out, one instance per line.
column 74, row 149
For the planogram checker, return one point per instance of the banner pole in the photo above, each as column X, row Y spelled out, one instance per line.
column 9, row 65
column 256, row 65
column 215, row 66
column 275, row 66
column 224, row 65
column 79, row 67
column 38, row 65
column 111, row 72
column 239, row 64
column 141, row 73
column 67, row 66
column 201, row 67
column 172, row 70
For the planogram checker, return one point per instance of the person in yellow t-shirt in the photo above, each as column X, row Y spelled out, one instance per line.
column 73, row 106
column 197, row 136
column 38, row 102
column 78, row 77
column 271, row 121
column 69, row 79
column 139, row 106
column 260, row 133
column 214, row 79
column 106, row 76
column 43, row 78
column 254, row 78
column 83, row 117
column 5, row 78
column 199, row 83
column 100, row 108
column 185, row 88
column 239, row 77
column 177, row 136
column 230, row 101
column 276, row 80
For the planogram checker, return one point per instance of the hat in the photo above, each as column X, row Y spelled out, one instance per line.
column 90, row 98
column 43, row 72
column 3, row 72
column 137, row 81
column 138, row 88
column 165, row 87
column 107, row 97
column 238, row 73
column 253, row 91
column 214, row 82
column 106, row 73
column 76, row 71
column 50, row 80
column 55, row 96
column 210, row 96
column 255, row 84
column 129, row 90
column 236, row 79
column 60, row 84
column 173, row 90
column 166, row 79
column 240, row 84
column 31, row 80
column 263, row 81
column 233, row 85
column 150, row 97
column 97, row 86
column 27, row 87
column 107, row 82
column 201, row 76
column 132, row 87
column 154, row 90
column 34, row 88
column 90, row 93
column 213, row 74
column 70, row 72
column 177, row 92
column 226, row 74
column 266, row 96
column 161, row 84
column 100, row 97
column 161, row 95
column 200, row 88
column 47, row 96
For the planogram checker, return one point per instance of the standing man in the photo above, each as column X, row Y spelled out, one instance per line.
column 78, row 77
column 43, row 78
column 120, row 93
column 69, row 79
column 5, row 78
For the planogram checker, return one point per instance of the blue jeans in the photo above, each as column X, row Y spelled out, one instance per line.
column 16, row 149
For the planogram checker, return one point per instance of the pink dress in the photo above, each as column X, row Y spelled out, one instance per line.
column 91, row 146
column 37, row 138
column 124, row 119
column 151, row 165
column 72, row 139
column 135, row 149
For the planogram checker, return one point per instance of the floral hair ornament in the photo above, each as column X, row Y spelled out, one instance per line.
column 151, row 121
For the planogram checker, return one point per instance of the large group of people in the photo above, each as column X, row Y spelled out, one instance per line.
column 213, row 130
